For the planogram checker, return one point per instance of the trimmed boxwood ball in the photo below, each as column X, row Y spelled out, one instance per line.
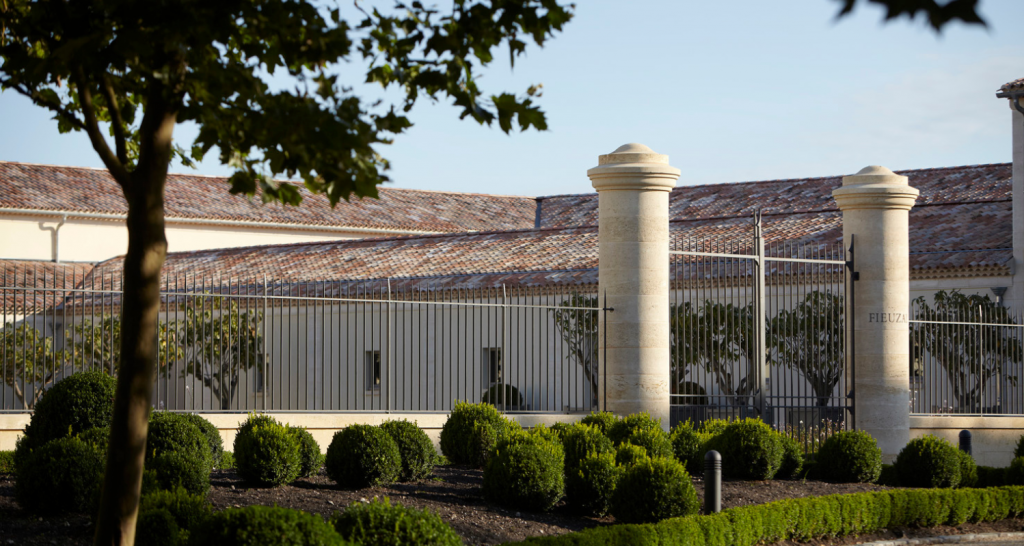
column 686, row 444
column 525, row 472
column 654, row 440
column 928, row 461
column 157, row 528
column 363, row 456
column 750, row 449
column 792, row 459
column 603, row 420
column 968, row 469
column 213, row 438
column 1019, row 450
column 713, row 427
column 309, row 452
column 653, row 490
column 560, row 427
column 266, row 452
column 414, row 447
column 1014, row 474
column 178, row 433
column 74, row 404
column 189, row 511
column 263, row 525
column 97, row 437
column 175, row 469
column 61, row 475
column 628, row 454
column 6, row 462
column 470, row 432
column 620, row 430
column 380, row 523
column 590, row 484
column 580, row 440
column 850, row 456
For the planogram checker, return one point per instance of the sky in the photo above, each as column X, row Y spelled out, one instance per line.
column 731, row 91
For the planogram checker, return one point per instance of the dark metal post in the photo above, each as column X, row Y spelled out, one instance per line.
column 965, row 441
column 712, row 482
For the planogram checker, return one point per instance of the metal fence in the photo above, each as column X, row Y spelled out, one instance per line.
column 759, row 330
column 966, row 356
column 399, row 345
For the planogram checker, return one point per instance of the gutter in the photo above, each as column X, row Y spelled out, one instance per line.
column 212, row 222
column 1014, row 97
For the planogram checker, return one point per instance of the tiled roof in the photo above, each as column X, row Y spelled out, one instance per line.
column 52, row 278
column 44, row 187
column 1015, row 85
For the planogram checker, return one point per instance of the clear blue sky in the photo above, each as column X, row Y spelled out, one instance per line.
column 731, row 91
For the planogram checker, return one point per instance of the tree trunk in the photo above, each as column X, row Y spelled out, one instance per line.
column 147, row 249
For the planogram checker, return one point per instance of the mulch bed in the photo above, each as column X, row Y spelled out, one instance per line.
column 455, row 494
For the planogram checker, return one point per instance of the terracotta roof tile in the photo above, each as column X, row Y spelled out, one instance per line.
column 1015, row 85
column 43, row 187
column 35, row 274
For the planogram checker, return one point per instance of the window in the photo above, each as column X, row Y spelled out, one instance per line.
column 493, row 372
column 371, row 371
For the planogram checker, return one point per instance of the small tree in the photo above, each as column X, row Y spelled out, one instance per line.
column 30, row 362
column 715, row 337
column 578, row 329
column 809, row 339
column 96, row 344
column 969, row 355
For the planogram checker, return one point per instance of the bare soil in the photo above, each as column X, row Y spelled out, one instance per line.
column 455, row 494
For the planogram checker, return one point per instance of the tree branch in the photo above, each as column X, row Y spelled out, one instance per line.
column 92, row 128
column 115, row 119
column 35, row 97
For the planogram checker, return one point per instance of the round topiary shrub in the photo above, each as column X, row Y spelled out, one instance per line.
column 525, row 472
column 262, row 525
column 968, row 469
column 1019, row 450
column 628, row 454
column 470, row 432
column 363, row 456
column 1014, row 474
column 620, row 430
column 713, row 427
column 590, row 484
column 849, row 456
column 792, row 459
column 213, row 438
column 687, row 444
column 174, row 469
column 750, row 450
column 61, row 475
column 504, row 396
column 266, row 452
column 928, row 461
column 97, row 437
column 414, row 447
column 380, row 523
column 653, row 490
column 560, row 428
column 73, row 405
column 309, row 452
column 157, row 528
column 580, row 440
column 654, row 440
column 603, row 420
column 189, row 511
column 177, row 432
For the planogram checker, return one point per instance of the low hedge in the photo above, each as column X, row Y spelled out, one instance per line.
column 809, row 518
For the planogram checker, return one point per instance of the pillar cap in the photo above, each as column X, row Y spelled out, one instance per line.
column 875, row 187
column 633, row 166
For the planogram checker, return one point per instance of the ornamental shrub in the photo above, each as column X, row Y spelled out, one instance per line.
column 560, row 428
column 157, row 528
column 687, row 444
column 580, row 440
column 178, row 433
column 792, row 459
column 73, row 405
column 414, row 447
column 654, row 440
column 213, row 439
column 590, row 483
column 263, row 525
column 1014, row 474
column 189, row 511
column 363, row 456
column 653, row 490
column 968, row 469
column 61, row 475
column 928, row 461
column 266, row 452
column 470, row 432
column 750, row 450
column 850, row 456
column 525, row 472
column 542, row 431
column 97, row 437
column 6, row 462
column 174, row 469
column 620, row 430
column 1019, row 450
column 713, row 427
column 311, row 459
column 507, row 397
column 603, row 420
column 380, row 523
column 628, row 455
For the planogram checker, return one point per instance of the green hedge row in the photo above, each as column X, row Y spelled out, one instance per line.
column 809, row 518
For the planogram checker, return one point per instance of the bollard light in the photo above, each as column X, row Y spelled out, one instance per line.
column 965, row 441
column 712, row 482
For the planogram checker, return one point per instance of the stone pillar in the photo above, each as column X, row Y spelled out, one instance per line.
column 1016, row 292
column 633, row 185
column 876, row 204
